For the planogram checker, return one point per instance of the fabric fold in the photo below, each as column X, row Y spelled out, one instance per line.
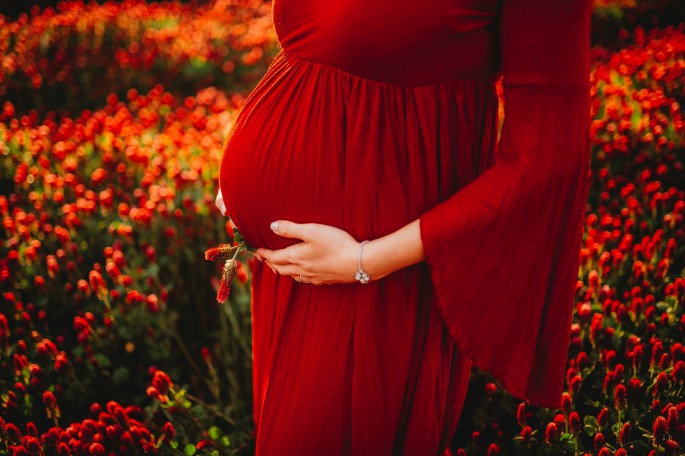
column 504, row 250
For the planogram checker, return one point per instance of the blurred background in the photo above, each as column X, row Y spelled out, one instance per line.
column 12, row 8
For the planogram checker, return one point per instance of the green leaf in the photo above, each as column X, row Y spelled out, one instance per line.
column 214, row 433
column 102, row 360
column 239, row 239
column 590, row 425
column 190, row 449
column 615, row 428
column 225, row 442
column 590, row 420
column 121, row 375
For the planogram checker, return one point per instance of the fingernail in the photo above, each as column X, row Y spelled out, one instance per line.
column 274, row 226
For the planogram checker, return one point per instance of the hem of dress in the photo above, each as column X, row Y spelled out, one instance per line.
column 488, row 81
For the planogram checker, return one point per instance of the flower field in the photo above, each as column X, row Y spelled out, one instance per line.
column 626, row 366
column 111, row 339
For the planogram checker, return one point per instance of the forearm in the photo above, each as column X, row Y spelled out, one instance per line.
column 330, row 255
column 394, row 251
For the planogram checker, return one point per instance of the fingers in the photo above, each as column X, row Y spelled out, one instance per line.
column 271, row 266
column 219, row 202
column 287, row 270
column 287, row 229
column 287, row 261
column 293, row 272
column 290, row 229
column 288, row 255
column 271, row 257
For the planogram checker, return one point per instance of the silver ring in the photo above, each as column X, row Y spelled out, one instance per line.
column 300, row 278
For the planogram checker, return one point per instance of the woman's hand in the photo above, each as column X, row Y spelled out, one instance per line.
column 219, row 202
column 327, row 254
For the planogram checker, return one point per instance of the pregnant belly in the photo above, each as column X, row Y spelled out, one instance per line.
column 283, row 161
column 316, row 144
column 297, row 153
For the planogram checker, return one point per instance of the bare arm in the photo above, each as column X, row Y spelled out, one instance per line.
column 330, row 255
column 394, row 251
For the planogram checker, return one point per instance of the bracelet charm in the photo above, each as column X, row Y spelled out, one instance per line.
column 361, row 275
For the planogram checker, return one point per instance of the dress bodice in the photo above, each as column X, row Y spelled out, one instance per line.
column 396, row 41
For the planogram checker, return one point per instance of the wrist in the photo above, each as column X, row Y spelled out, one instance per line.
column 362, row 275
column 394, row 251
column 372, row 259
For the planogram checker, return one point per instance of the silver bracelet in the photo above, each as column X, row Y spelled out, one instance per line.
column 361, row 275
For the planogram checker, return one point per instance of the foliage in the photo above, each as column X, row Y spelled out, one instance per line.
column 105, row 220
column 76, row 55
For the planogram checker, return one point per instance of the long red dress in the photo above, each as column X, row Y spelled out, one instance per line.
column 379, row 112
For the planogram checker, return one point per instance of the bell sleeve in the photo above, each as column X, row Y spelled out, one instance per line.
column 503, row 251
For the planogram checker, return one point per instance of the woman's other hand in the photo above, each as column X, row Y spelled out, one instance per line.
column 219, row 202
column 327, row 254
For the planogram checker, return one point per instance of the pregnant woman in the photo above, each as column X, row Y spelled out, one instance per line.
column 377, row 121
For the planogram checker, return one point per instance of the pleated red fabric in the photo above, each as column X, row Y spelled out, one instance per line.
column 372, row 115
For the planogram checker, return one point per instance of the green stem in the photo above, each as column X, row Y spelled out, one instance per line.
column 238, row 248
column 189, row 358
column 619, row 420
column 213, row 408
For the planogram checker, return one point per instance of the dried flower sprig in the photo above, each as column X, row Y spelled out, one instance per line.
column 221, row 251
column 227, row 276
column 230, row 252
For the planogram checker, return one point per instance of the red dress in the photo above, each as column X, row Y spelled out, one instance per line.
column 376, row 113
